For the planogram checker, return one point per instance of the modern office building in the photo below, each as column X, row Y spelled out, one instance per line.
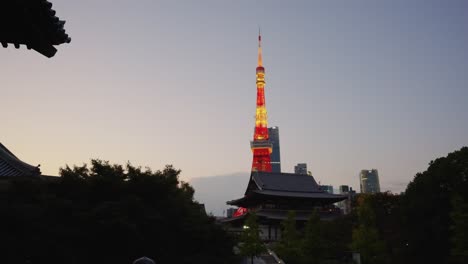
column 326, row 188
column 275, row 156
column 369, row 181
column 230, row 212
column 300, row 168
column 345, row 205
column 344, row 189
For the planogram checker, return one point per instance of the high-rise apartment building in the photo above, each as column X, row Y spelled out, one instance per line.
column 300, row 168
column 275, row 156
column 369, row 181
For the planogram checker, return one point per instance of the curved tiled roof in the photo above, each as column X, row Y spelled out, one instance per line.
column 284, row 185
column 32, row 23
column 11, row 166
column 288, row 182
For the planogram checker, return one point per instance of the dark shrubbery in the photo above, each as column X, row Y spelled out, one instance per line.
column 108, row 214
column 426, row 224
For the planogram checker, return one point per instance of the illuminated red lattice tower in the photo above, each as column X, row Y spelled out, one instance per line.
column 261, row 145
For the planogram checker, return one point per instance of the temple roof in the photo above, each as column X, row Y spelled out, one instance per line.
column 32, row 23
column 277, row 186
column 11, row 166
column 285, row 182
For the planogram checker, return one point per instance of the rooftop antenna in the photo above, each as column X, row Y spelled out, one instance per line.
column 259, row 34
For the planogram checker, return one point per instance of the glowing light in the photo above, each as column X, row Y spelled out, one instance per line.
column 239, row 212
column 260, row 146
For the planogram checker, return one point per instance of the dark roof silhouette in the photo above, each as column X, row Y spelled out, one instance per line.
column 283, row 185
column 11, row 166
column 32, row 23
column 279, row 182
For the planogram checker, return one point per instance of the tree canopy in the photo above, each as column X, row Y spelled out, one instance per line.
column 313, row 244
column 428, row 206
column 428, row 223
column 107, row 213
column 290, row 244
column 250, row 242
column 365, row 236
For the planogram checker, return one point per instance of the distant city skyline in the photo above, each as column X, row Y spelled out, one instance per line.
column 352, row 85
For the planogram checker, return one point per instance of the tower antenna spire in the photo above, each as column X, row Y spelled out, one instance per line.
column 259, row 35
column 260, row 59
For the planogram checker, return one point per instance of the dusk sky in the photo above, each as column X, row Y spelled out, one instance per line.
column 351, row 85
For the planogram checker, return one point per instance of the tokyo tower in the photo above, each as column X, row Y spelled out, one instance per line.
column 261, row 145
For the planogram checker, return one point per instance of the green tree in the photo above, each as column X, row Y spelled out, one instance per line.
column 388, row 221
column 289, row 246
column 459, row 215
column 313, row 244
column 427, row 206
column 365, row 238
column 251, row 244
column 336, row 236
column 107, row 213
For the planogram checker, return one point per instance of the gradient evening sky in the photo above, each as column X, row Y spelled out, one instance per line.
column 351, row 85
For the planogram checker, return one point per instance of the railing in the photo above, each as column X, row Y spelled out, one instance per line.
column 273, row 254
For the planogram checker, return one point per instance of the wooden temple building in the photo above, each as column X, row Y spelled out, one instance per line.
column 31, row 23
column 272, row 195
column 12, row 167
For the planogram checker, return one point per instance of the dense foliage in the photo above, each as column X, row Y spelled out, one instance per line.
column 108, row 214
column 366, row 239
column 459, row 230
column 432, row 223
column 251, row 244
column 112, row 214
column 289, row 247
column 316, row 242
column 426, row 224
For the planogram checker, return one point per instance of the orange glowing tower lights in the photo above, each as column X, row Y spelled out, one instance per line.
column 261, row 145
